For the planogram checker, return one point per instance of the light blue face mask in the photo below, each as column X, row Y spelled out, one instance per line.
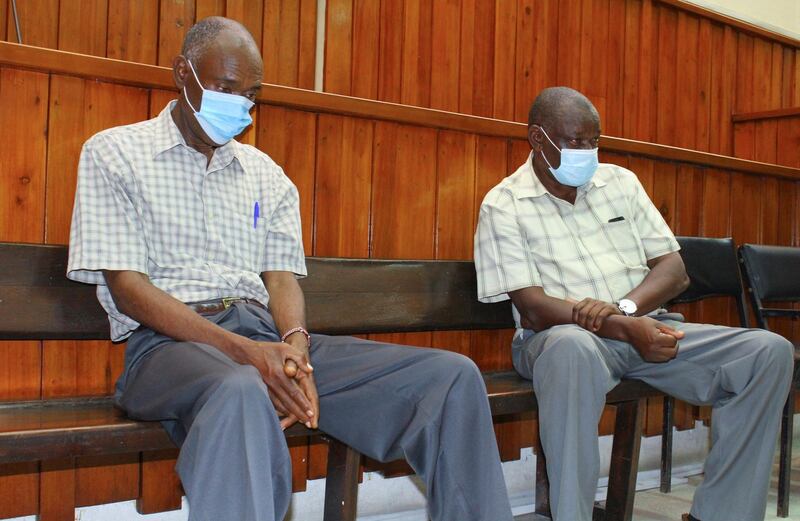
column 577, row 166
column 222, row 116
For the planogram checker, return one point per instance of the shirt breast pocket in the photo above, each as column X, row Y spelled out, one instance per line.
column 245, row 238
column 623, row 238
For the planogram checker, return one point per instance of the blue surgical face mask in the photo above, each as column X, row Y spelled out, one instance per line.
column 221, row 116
column 577, row 166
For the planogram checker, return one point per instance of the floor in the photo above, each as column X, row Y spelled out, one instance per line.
column 652, row 505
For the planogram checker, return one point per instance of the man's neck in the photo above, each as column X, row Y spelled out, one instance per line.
column 563, row 192
column 181, row 121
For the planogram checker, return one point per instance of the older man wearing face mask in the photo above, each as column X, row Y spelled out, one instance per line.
column 194, row 242
column 588, row 262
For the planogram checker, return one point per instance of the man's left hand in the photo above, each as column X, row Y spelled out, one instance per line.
column 305, row 380
column 590, row 313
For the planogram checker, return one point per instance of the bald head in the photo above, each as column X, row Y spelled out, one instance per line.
column 559, row 104
column 213, row 31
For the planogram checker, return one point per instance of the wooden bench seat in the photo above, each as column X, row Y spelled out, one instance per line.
column 37, row 301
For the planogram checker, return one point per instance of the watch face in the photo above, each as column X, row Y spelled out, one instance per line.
column 627, row 306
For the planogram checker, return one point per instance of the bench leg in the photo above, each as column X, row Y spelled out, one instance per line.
column 341, row 485
column 57, row 490
column 666, row 445
column 785, row 458
column 624, row 461
column 542, row 507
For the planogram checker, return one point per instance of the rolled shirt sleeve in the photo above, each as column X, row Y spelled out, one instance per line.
column 284, row 243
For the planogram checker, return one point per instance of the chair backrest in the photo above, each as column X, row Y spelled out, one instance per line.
column 343, row 296
column 773, row 274
column 713, row 271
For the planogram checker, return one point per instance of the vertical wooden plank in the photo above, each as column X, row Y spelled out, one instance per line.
column 206, row 8
column 82, row 26
column 477, row 77
column 390, row 64
column 761, row 75
column 132, row 30
column 648, row 72
column 723, row 88
column 5, row 11
column 569, row 43
column 251, row 15
column 703, row 103
column 280, row 49
column 366, row 45
column 685, row 103
column 614, row 117
column 467, row 62
column 787, row 87
column 634, row 25
column 744, row 73
column 57, row 490
column 445, row 57
column 38, row 21
column 643, row 168
column 526, row 69
column 415, row 86
column 455, row 167
column 20, row 485
column 159, row 100
column 343, row 186
column 505, row 35
column 161, row 489
column 594, row 65
column 307, row 55
column 175, row 18
column 667, row 79
column 23, row 97
column 339, row 46
column 716, row 222
column 289, row 138
column 776, row 91
column 788, row 138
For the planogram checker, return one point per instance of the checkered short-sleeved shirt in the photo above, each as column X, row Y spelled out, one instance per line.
column 147, row 202
column 598, row 247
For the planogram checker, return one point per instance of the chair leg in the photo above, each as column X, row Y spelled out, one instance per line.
column 666, row 445
column 542, row 507
column 341, row 484
column 624, row 460
column 785, row 458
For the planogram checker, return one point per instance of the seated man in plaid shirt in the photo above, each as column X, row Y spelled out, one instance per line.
column 194, row 242
column 588, row 261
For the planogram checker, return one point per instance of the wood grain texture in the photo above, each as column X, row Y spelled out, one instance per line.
column 132, row 30
column 38, row 20
column 175, row 18
column 339, row 46
column 445, row 57
column 83, row 26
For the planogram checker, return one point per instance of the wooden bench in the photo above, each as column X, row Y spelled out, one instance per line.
column 343, row 296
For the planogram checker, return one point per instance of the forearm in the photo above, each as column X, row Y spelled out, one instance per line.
column 287, row 305
column 138, row 298
column 666, row 280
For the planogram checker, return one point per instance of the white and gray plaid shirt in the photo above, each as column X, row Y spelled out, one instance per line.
column 598, row 247
column 147, row 202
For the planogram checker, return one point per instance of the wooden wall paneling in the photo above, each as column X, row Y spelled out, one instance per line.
column 615, row 68
column 686, row 93
column 761, row 95
column 505, row 37
column 160, row 485
column 251, row 15
column 445, row 55
column 526, row 71
column 57, row 490
column 20, row 485
column 467, row 67
column 643, row 168
column 5, row 12
column 787, row 88
column 594, row 64
column 765, row 140
column 79, row 109
column 132, row 30
column 477, row 73
column 289, row 138
column 83, row 26
column 746, row 219
column 777, row 80
column 788, row 140
column 744, row 140
column 569, row 43
column 366, row 47
column 415, row 88
column 307, row 44
column 390, row 50
column 703, row 96
column 38, row 22
column 206, row 8
column 632, row 68
column 175, row 18
column 339, row 46
column 667, row 103
column 23, row 97
column 744, row 87
column 159, row 99
column 279, row 48
column 343, row 186
column 716, row 222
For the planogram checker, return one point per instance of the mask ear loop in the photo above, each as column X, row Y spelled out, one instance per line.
column 554, row 146
column 186, row 94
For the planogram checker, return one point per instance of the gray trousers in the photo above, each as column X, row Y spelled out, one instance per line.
column 743, row 373
column 386, row 401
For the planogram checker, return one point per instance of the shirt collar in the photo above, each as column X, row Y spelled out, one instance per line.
column 167, row 136
column 528, row 184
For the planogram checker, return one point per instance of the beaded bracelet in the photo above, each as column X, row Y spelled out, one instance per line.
column 298, row 329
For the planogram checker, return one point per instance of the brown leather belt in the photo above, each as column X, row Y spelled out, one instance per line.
column 212, row 307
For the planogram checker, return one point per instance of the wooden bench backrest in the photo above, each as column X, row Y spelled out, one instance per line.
column 343, row 296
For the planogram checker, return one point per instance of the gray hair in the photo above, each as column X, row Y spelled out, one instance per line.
column 553, row 103
column 205, row 32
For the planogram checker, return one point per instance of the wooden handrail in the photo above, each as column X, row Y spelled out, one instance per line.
column 766, row 114
column 741, row 25
column 152, row 76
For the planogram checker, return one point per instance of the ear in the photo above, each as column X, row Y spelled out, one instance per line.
column 535, row 137
column 180, row 71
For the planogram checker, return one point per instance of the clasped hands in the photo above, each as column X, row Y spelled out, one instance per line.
column 289, row 377
column 655, row 341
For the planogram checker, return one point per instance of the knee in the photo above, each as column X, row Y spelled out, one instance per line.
column 775, row 350
column 241, row 382
column 569, row 347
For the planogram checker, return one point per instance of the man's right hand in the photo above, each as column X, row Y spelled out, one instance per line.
column 288, row 397
column 655, row 342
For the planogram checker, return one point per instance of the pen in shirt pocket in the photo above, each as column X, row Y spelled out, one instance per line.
column 255, row 215
column 616, row 219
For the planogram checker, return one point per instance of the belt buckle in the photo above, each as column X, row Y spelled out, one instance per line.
column 229, row 301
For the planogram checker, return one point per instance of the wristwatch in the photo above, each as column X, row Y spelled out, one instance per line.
column 627, row 307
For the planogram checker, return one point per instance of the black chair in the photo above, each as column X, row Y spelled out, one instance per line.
column 714, row 272
column 773, row 274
